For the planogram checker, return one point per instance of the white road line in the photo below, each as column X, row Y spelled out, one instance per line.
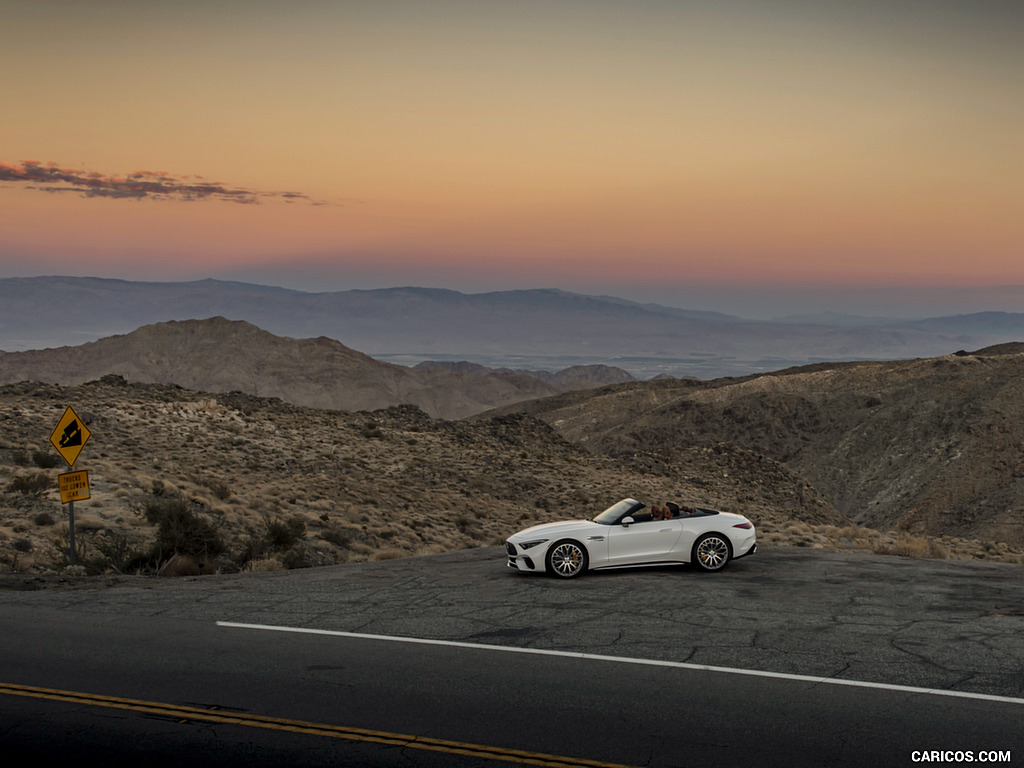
column 625, row 660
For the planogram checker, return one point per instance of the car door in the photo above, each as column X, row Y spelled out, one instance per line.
column 651, row 541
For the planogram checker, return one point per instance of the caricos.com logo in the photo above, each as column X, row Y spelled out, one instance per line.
column 960, row 756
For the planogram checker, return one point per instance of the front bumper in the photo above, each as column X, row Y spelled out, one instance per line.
column 522, row 564
column 519, row 560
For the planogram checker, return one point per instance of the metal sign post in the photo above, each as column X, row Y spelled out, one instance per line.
column 71, row 534
column 69, row 437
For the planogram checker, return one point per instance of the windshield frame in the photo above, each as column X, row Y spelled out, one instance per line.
column 620, row 509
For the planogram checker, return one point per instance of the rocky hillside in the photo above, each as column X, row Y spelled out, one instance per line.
column 218, row 355
column 930, row 446
column 267, row 484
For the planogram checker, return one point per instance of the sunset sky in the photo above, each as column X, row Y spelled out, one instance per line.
column 831, row 155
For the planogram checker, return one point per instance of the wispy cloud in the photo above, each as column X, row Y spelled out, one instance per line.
column 158, row 185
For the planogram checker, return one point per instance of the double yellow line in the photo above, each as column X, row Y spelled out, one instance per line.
column 213, row 715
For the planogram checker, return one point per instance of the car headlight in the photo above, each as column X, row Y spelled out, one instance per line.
column 531, row 544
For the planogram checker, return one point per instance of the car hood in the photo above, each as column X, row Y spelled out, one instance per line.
column 547, row 530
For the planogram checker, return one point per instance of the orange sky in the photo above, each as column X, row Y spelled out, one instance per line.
column 595, row 146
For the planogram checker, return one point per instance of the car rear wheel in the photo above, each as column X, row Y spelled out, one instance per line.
column 566, row 559
column 711, row 552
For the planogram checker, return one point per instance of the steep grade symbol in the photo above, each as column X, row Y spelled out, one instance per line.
column 72, row 435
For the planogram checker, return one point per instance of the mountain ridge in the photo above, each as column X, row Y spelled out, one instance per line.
column 529, row 328
column 221, row 355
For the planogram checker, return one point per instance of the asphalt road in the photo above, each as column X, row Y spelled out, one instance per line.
column 869, row 660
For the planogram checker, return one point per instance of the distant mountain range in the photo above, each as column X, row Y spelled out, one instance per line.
column 527, row 329
column 218, row 355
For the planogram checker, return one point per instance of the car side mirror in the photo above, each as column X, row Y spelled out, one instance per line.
column 627, row 521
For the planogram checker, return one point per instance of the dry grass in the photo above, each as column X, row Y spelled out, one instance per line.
column 263, row 565
column 900, row 544
column 288, row 487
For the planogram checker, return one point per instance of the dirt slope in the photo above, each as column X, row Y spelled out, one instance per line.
column 929, row 446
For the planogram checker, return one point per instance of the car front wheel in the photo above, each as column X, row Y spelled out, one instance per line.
column 711, row 552
column 566, row 559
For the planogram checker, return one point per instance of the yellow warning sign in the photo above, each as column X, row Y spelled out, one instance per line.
column 74, row 486
column 70, row 436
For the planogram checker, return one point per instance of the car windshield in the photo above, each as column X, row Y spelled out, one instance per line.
column 617, row 511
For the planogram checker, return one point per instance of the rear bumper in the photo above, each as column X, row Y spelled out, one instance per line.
column 751, row 551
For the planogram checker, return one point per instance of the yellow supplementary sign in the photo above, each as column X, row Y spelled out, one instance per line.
column 70, row 436
column 74, row 486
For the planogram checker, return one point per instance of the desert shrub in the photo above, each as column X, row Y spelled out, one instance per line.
column 372, row 431
column 63, row 545
column 389, row 554
column 252, row 549
column 263, row 565
column 117, row 551
column 285, row 534
column 32, row 484
column 219, row 488
column 45, row 460
column 295, row 557
column 913, row 546
column 281, row 536
column 43, row 519
column 337, row 538
column 181, row 527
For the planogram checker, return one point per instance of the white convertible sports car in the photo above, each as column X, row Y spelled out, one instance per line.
column 624, row 536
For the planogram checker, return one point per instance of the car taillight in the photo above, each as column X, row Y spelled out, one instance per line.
column 748, row 526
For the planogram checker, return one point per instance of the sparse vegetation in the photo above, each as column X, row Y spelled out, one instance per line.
column 32, row 484
column 182, row 528
column 218, row 487
column 372, row 431
column 913, row 546
column 46, row 460
column 191, row 483
column 284, row 534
